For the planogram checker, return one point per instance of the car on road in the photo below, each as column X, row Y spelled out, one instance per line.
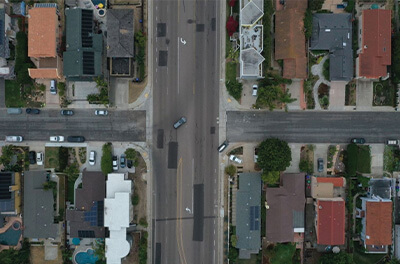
column 14, row 111
column 32, row 111
column 14, row 138
column 255, row 89
column 235, row 159
column 180, row 122
column 53, row 89
column 32, row 157
column 101, row 112
column 66, row 112
column 393, row 142
column 122, row 160
column 57, row 138
column 320, row 165
column 76, row 139
column 92, row 158
column 39, row 158
column 223, row 146
column 115, row 163
column 358, row 140
column 129, row 164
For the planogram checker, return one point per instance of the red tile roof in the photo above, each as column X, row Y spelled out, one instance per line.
column 336, row 181
column 43, row 73
column 42, row 34
column 376, row 43
column 290, row 42
column 378, row 223
column 330, row 222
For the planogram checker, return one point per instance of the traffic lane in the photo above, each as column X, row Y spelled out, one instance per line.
column 312, row 127
column 117, row 126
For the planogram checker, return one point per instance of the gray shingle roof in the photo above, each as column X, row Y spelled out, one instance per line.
column 4, row 42
column 380, row 187
column 38, row 212
column 248, row 223
column 120, row 39
column 333, row 32
column 251, row 13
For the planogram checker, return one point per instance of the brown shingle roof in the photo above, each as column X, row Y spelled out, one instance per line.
column 290, row 42
column 378, row 223
column 43, row 23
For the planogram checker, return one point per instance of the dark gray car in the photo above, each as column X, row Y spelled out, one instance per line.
column 320, row 165
column 76, row 139
column 67, row 112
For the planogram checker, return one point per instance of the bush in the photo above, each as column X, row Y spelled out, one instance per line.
column 61, row 88
column 143, row 222
column 143, row 248
column 230, row 170
column 351, row 166
column 306, row 166
column 106, row 159
column 62, row 158
column 308, row 19
column 234, row 89
column 325, row 70
column 350, row 6
column 315, row 4
column 274, row 155
column 271, row 177
column 135, row 199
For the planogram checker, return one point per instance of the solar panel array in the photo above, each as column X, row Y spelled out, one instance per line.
column 86, row 233
column 100, row 213
column 88, row 62
column 5, row 182
column 1, row 32
column 96, row 214
column 254, row 218
column 87, row 28
column 46, row 5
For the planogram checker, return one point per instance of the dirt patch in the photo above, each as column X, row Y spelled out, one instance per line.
column 140, row 189
column 133, row 256
column 323, row 95
column 136, row 89
column 37, row 256
column 351, row 93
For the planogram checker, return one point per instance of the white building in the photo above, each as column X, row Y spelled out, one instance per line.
column 117, row 208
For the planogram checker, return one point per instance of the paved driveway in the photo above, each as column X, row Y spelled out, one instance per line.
column 248, row 99
column 294, row 164
column 320, row 151
column 119, row 92
column 337, row 96
column 364, row 95
column 377, row 159
column 294, row 90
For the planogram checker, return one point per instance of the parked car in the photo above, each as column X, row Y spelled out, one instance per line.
column 92, row 158
column 115, row 163
column 180, row 122
column 101, row 112
column 392, row 142
column 14, row 111
column 122, row 160
column 76, row 139
column 320, row 165
column 32, row 111
column 358, row 140
column 223, row 146
column 235, row 159
column 255, row 89
column 39, row 158
column 57, row 138
column 32, row 157
column 66, row 112
column 53, row 89
column 129, row 164
column 14, row 138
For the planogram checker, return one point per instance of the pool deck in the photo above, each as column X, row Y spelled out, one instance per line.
column 10, row 221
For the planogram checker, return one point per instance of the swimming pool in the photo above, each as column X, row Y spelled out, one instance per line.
column 12, row 235
column 96, row 2
column 87, row 257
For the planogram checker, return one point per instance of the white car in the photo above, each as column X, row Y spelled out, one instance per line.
column 57, row 139
column 255, row 89
column 235, row 159
column 101, row 112
column 92, row 158
column 115, row 163
column 39, row 158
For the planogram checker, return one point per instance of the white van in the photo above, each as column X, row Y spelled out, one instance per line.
column 14, row 139
column 53, row 89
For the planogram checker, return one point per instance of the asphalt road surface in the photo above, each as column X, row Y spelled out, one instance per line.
column 185, row 160
column 312, row 127
column 117, row 126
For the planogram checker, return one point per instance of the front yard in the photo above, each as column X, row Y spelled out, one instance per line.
column 384, row 93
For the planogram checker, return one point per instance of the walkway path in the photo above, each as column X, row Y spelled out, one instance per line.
column 317, row 70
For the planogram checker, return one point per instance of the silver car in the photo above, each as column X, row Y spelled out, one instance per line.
column 101, row 112
column 14, row 138
column 180, row 122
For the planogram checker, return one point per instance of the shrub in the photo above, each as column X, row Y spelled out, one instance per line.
column 234, row 89
column 351, row 167
column 230, row 170
column 143, row 222
column 135, row 199
column 308, row 19
column 106, row 159
column 306, row 166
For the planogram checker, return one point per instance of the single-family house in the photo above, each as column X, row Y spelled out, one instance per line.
column 10, row 196
column 330, row 221
column 285, row 209
column 83, row 58
column 44, row 42
column 376, row 214
column 248, row 215
column 117, row 208
column 251, row 38
column 38, row 211
column 290, row 42
column 120, row 41
column 6, row 69
column 333, row 32
column 328, row 187
column 375, row 43
column 87, row 219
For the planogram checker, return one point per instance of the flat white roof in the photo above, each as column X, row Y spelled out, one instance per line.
column 116, row 211
column 116, row 183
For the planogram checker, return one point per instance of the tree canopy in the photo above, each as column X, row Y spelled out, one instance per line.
column 274, row 155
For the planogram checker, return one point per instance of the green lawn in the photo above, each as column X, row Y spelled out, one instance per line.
column 364, row 159
column 384, row 93
column 61, row 192
column 360, row 257
column 70, row 192
column 13, row 94
column 231, row 71
column 253, row 260
column 282, row 254
column 52, row 157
